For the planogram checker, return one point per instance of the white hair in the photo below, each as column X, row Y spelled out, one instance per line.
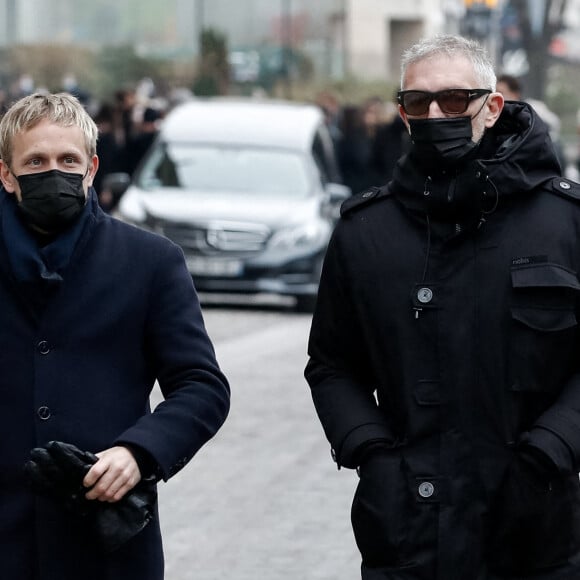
column 451, row 46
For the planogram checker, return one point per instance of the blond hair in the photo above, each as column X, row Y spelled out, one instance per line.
column 60, row 108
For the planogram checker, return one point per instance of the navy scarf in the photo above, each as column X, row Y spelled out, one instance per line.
column 39, row 269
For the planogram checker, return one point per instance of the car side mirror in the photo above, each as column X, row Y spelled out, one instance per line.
column 337, row 192
column 117, row 183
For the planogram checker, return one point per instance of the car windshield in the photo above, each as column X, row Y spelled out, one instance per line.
column 205, row 168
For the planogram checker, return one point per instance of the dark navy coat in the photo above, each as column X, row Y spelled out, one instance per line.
column 446, row 336
column 80, row 370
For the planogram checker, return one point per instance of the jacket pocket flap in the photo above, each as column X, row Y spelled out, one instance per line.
column 544, row 275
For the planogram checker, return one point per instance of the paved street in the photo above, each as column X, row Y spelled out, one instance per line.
column 263, row 500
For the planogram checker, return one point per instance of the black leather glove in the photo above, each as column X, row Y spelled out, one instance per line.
column 57, row 471
column 116, row 523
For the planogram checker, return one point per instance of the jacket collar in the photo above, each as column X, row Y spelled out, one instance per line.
column 515, row 157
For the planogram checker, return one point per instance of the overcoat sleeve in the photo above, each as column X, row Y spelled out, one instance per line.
column 557, row 431
column 181, row 356
column 339, row 369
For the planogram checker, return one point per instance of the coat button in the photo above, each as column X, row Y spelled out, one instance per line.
column 43, row 347
column 43, row 413
column 426, row 489
column 425, row 295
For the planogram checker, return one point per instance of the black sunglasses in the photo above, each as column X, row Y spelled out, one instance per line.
column 450, row 101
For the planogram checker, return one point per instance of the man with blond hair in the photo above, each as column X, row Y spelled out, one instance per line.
column 93, row 312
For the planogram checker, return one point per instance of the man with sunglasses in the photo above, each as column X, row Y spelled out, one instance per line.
column 444, row 349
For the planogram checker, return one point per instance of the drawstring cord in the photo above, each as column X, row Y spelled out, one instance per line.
column 426, row 189
column 482, row 219
column 426, row 192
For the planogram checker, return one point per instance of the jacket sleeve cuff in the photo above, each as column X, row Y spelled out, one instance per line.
column 554, row 447
column 147, row 465
column 355, row 442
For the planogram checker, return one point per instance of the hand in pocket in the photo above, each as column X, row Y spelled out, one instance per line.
column 378, row 508
column 531, row 521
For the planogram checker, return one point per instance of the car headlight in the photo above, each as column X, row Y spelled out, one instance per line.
column 305, row 235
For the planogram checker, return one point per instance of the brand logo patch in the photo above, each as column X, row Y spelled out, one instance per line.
column 524, row 261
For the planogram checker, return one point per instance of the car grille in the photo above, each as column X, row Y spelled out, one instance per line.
column 217, row 238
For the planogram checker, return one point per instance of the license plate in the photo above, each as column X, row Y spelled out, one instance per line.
column 214, row 267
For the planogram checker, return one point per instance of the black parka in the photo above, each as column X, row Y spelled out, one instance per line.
column 446, row 330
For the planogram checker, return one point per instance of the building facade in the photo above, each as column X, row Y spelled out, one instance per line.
column 340, row 37
column 360, row 38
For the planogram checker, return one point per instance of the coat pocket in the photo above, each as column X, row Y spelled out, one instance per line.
column 534, row 527
column 543, row 327
column 380, row 509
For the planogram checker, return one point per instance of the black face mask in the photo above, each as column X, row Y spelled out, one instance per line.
column 51, row 200
column 445, row 141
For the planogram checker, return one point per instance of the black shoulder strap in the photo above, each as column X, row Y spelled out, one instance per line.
column 565, row 188
column 364, row 198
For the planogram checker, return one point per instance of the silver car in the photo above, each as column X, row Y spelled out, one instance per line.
column 248, row 188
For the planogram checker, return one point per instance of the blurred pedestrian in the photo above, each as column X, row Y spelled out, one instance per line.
column 374, row 114
column 4, row 101
column 353, row 149
column 142, row 139
column 444, row 345
column 365, row 147
column 390, row 143
column 94, row 313
column 71, row 85
column 110, row 156
column 125, row 104
column 330, row 106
